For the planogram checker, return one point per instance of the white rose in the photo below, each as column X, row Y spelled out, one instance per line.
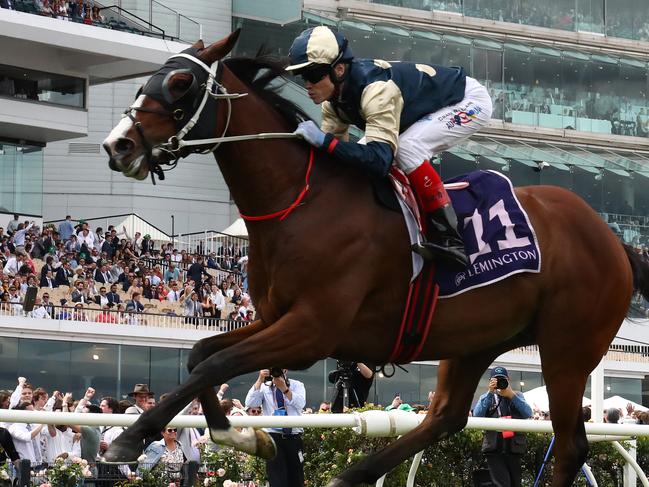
column 228, row 483
column 141, row 458
column 63, row 468
column 220, row 472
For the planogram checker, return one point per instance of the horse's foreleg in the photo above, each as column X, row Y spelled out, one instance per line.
column 456, row 382
column 293, row 341
column 203, row 349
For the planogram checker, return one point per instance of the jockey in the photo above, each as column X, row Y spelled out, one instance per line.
column 409, row 111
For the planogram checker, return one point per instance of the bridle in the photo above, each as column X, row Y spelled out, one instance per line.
column 176, row 147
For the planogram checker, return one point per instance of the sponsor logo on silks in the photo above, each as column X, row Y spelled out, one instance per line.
column 463, row 117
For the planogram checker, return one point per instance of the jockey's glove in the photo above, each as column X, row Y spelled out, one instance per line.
column 310, row 132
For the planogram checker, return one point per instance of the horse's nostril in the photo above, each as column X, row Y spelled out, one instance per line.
column 124, row 146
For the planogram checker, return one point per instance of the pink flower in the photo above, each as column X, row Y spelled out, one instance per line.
column 220, row 472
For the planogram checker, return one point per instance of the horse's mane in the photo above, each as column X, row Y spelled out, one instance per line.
column 264, row 74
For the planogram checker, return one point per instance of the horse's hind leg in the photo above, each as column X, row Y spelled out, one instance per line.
column 456, row 382
column 565, row 390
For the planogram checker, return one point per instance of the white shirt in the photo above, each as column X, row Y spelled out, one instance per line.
column 54, row 445
column 22, row 436
column 265, row 397
column 218, row 300
column 11, row 267
column 173, row 296
column 40, row 312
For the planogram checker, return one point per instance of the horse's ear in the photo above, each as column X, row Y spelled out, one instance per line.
column 220, row 49
column 198, row 44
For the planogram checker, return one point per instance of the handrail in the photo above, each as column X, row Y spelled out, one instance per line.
column 136, row 16
column 120, row 215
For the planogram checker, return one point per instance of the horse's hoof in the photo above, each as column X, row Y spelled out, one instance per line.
column 266, row 447
column 123, row 451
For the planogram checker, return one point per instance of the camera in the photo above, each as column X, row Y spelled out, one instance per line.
column 274, row 372
column 343, row 372
column 502, row 383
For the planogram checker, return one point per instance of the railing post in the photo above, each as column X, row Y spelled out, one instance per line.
column 24, row 470
column 630, row 477
column 190, row 472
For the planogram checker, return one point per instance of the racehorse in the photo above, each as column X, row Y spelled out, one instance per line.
column 329, row 268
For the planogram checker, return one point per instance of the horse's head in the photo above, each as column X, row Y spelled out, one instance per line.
column 166, row 108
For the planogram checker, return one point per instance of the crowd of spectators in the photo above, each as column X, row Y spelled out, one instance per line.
column 622, row 21
column 76, row 269
column 42, row 445
column 73, row 10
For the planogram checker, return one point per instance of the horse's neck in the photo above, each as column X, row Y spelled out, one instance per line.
column 263, row 176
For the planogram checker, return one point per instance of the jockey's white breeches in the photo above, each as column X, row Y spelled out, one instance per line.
column 438, row 131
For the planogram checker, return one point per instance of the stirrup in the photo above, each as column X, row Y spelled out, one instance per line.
column 431, row 251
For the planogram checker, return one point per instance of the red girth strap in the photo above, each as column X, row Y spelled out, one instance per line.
column 287, row 211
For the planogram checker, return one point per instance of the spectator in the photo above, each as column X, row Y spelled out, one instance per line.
column 109, row 405
column 8, row 4
column 13, row 225
column 113, row 296
column 78, row 313
column 141, row 394
column 48, row 305
column 171, row 274
column 135, row 304
column 612, row 415
column 281, row 397
column 39, row 310
column 503, row 449
column 26, row 438
column 173, row 295
column 192, row 307
column 168, row 452
column 63, row 275
column 66, row 228
column 105, row 316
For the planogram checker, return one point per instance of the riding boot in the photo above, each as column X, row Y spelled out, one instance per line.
column 444, row 241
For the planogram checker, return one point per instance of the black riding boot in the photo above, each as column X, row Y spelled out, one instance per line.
column 446, row 243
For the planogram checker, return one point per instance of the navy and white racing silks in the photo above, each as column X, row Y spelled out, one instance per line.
column 384, row 99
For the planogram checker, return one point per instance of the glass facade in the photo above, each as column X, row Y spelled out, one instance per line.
column 615, row 18
column 530, row 84
column 21, row 179
column 114, row 369
column 29, row 84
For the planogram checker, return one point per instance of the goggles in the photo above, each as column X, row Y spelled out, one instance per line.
column 316, row 73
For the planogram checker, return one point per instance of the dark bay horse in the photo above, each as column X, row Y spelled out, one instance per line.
column 331, row 279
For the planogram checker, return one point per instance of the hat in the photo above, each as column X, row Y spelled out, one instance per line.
column 140, row 389
column 318, row 45
column 405, row 407
column 499, row 372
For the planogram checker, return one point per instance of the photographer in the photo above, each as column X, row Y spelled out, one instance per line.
column 503, row 449
column 357, row 378
column 279, row 396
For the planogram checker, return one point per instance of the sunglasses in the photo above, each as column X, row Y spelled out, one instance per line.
column 315, row 74
column 171, row 430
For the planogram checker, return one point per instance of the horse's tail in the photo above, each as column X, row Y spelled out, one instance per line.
column 640, row 268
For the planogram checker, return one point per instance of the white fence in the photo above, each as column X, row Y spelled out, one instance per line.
column 370, row 423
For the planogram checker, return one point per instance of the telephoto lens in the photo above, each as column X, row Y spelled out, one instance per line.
column 502, row 383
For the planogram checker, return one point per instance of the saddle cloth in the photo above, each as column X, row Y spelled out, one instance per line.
column 498, row 236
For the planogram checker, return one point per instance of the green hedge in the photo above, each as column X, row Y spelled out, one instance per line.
column 449, row 463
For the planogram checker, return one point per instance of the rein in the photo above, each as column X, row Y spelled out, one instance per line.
column 212, row 88
column 282, row 214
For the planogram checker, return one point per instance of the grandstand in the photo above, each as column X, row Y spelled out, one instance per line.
column 569, row 91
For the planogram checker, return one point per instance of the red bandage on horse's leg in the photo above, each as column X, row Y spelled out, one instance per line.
column 429, row 187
